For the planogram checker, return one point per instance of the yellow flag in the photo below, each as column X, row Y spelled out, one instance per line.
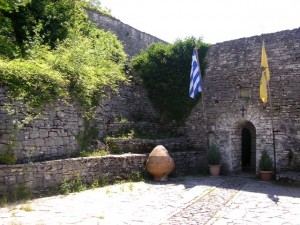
column 265, row 77
column 263, row 90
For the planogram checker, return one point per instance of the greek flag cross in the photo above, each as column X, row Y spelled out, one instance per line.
column 195, row 77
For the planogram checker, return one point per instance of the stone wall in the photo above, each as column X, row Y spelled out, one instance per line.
column 43, row 176
column 54, row 134
column 146, row 145
column 50, row 174
column 134, row 41
column 232, row 84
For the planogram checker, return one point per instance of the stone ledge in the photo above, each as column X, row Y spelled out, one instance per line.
column 290, row 177
column 41, row 176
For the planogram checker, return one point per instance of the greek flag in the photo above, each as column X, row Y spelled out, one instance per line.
column 196, row 81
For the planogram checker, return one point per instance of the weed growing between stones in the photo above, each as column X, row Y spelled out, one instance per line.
column 70, row 186
column 101, row 216
column 103, row 181
column 108, row 191
column 100, row 152
column 87, row 136
column 130, row 186
column 8, row 158
column 21, row 193
column 77, row 185
column 3, row 201
column 120, row 120
column 136, row 177
column 26, row 208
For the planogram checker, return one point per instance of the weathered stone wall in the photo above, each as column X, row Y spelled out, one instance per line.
column 134, row 41
column 54, row 134
column 50, row 174
column 232, row 82
column 146, row 145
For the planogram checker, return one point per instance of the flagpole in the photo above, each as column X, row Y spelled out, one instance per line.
column 202, row 100
column 272, row 124
column 272, row 117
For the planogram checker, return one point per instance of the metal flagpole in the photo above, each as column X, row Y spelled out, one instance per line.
column 272, row 122
column 202, row 99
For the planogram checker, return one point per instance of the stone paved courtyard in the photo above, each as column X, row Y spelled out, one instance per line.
column 187, row 200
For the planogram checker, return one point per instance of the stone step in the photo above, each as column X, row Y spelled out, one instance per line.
column 135, row 145
column 289, row 177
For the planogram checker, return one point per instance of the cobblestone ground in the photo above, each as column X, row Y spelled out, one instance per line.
column 185, row 201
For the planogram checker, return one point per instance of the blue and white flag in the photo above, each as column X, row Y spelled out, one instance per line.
column 196, row 81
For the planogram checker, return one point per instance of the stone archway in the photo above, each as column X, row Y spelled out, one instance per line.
column 248, row 147
column 244, row 147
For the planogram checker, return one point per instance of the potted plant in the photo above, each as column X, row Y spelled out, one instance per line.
column 213, row 159
column 265, row 166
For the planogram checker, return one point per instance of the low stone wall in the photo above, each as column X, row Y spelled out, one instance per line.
column 50, row 174
column 186, row 163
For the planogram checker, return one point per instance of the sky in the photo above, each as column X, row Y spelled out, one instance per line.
column 212, row 20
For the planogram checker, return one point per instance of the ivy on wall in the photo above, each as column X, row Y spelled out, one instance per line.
column 50, row 50
column 54, row 54
column 165, row 71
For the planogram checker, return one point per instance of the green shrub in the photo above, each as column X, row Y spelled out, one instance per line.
column 100, row 152
column 8, row 158
column 136, row 177
column 63, row 54
column 265, row 161
column 213, row 155
column 165, row 71
column 72, row 185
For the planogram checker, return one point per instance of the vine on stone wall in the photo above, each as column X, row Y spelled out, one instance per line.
column 165, row 71
column 49, row 51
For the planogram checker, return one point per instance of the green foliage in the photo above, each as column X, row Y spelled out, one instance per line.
column 136, row 177
column 32, row 81
column 103, row 181
column 57, row 16
column 73, row 185
column 120, row 120
column 113, row 147
column 9, row 5
column 85, row 138
column 8, row 158
column 165, row 71
column 101, row 152
column 213, row 155
column 21, row 193
column 265, row 161
column 3, row 200
column 8, row 44
column 90, row 64
column 95, row 5
column 26, row 208
column 63, row 55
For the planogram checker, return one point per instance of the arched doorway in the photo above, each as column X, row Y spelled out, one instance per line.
column 248, row 147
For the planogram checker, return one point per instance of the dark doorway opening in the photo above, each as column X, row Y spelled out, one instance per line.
column 246, row 150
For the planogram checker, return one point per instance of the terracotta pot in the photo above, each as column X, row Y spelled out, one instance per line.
column 159, row 163
column 266, row 175
column 214, row 170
